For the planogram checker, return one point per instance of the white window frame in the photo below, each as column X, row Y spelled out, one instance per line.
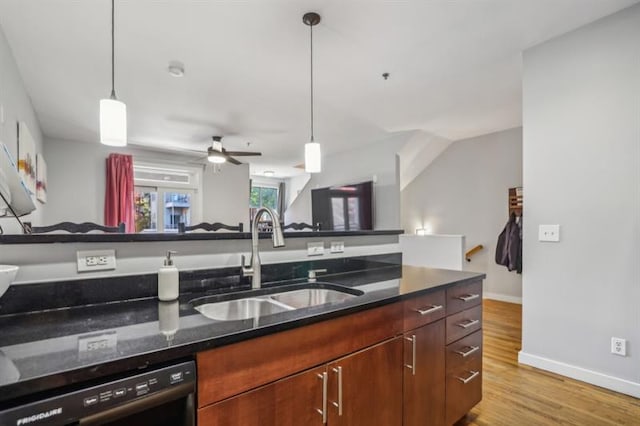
column 192, row 187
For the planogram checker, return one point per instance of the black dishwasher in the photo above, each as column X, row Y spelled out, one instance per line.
column 164, row 396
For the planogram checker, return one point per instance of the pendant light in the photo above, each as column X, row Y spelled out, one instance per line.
column 113, row 113
column 312, row 155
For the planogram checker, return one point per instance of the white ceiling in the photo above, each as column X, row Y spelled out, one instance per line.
column 455, row 67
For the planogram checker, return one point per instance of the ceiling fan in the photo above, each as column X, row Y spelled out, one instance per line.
column 217, row 154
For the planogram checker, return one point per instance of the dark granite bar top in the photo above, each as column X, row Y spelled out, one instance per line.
column 43, row 350
column 193, row 236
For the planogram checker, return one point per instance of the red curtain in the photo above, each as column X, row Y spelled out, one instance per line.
column 118, row 202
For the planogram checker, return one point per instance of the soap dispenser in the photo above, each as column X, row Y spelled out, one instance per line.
column 168, row 280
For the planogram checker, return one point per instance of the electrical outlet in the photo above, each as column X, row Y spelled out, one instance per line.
column 96, row 260
column 618, row 346
column 315, row 249
column 337, row 247
column 549, row 233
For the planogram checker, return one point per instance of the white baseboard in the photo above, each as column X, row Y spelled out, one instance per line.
column 599, row 379
column 502, row 297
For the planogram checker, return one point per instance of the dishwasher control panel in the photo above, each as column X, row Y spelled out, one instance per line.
column 74, row 406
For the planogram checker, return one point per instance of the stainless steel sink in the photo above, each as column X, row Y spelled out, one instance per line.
column 265, row 302
column 308, row 297
column 241, row 309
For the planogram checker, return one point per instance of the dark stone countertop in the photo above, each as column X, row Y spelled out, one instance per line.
column 40, row 351
column 174, row 236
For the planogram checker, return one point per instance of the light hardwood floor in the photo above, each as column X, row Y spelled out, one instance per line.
column 516, row 395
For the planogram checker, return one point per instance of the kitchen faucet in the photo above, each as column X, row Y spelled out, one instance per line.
column 254, row 269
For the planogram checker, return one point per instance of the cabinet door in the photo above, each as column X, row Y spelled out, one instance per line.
column 294, row 401
column 424, row 376
column 365, row 388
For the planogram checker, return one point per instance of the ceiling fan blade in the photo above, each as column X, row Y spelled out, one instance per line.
column 242, row 153
column 299, row 166
column 233, row 160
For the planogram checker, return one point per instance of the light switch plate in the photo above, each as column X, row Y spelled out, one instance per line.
column 315, row 249
column 549, row 233
column 96, row 260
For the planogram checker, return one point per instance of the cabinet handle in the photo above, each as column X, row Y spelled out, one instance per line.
column 468, row 297
column 472, row 349
column 471, row 323
column 431, row 309
column 473, row 375
column 412, row 366
column 323, row 411
column 338, row 404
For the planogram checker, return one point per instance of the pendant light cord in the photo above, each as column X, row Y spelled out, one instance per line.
column 311, row 34
column 113, row 49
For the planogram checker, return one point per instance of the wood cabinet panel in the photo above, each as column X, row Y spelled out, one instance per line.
column 424, row 383
column 371, row 387
column 463, row 296
column 461, row 396
column 464, row 351
column 424, row 309
column 292, row 401
column 463, row 323
column 230, row 370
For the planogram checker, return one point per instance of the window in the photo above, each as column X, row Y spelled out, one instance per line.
column 165, row 197
column 263, row 196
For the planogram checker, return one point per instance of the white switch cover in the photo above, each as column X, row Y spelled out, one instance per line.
column 96, row 260
column 315, row 249
column 337, row 247
column 549, row 233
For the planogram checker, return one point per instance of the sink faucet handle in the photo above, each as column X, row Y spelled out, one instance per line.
column 245, row 271
column 312, row 274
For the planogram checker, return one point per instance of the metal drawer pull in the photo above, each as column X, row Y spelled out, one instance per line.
column 473, row 375
column 473, row 349
column 412, row 366
column 323, row 411
column 338, row 404
column 468, row 297
column 431, row 309
column 471, row 323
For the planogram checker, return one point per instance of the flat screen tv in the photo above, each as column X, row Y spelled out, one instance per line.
column 343, row 208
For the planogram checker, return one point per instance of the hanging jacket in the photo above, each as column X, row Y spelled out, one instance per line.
column 509, row 246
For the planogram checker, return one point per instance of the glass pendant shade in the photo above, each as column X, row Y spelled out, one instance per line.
column 312, row 158
column 113, row 122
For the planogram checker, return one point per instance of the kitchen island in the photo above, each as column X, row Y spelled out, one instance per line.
column 416, row 329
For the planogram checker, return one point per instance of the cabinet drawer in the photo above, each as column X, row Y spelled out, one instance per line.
column 464, row 351
column 463, row 296
column 463, row 323
column 424, row 309
column 464, row 390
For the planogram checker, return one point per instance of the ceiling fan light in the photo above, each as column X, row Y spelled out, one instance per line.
column 216, row 158
column 113, row 122
column 312, row 157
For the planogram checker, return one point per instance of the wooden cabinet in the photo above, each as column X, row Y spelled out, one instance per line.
column 415, row 362
column 464, row 349
column 293, row 401
column 366, row 388
column 424, row 376
column 353, row 396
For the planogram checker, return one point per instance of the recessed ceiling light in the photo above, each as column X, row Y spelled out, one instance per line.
column 176, row 69
column 269, row 173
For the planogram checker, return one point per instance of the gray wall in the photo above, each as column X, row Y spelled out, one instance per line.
column 17, row 107
column 378, row 160
column 465, row 191
column 582, row 171
column 77, row 174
